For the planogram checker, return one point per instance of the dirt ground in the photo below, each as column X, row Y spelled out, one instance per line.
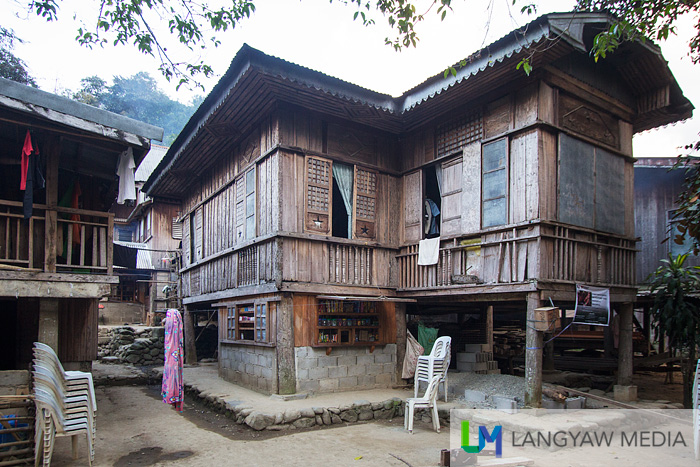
column 136, row 429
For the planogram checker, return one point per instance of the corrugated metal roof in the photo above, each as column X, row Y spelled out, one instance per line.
column 150, row 162
column 143, row 257
column 255, row 81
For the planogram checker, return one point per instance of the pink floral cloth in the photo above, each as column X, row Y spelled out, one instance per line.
column 172, row 373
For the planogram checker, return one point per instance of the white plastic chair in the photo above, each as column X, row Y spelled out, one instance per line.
column 435, row 364
column 45, row 354
column 428, row 401
column 52, row 423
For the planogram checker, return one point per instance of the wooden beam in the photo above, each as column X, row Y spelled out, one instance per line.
column 41, row 289
column 48, row 323
column 286, row 367
column 533, row 355
column 401, row 336
column 625, row 366
column 190, row 347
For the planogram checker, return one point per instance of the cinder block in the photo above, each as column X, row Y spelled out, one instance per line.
column 466, row 357
column 389, row 368
column 375, row 369
column 328, row 361
column 625, row 393
column 552, row 405
column 302, row 373
column 575, row 403
column 474, row 348
column 504, row 404
column 357, row 370
column 319, row 372
column 328, row 385
column 307, row 363
column 250, row 369
column 390, row 349
column 366, row 381
column 382, row 358
column 474, row 396
column 347, row 360
column 348, row 382
column 337, row 371
column 365, row 359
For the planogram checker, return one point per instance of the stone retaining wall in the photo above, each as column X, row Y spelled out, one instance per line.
column 251, row 366
column 126, row 345
column 345, row 369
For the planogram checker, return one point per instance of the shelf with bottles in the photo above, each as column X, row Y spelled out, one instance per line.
column 246, row 322
column 346, row 323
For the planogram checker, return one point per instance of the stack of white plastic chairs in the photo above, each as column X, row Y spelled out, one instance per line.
column 65, row 405
column 435, row 364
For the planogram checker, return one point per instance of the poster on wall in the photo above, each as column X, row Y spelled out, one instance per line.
column 592, row 305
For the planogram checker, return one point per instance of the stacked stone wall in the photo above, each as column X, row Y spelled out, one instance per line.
column 125, row 344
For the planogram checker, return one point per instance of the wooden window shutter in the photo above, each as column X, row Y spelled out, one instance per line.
column 319, row 189
column 365, row 203
column 176, row 229
column 186, row 240
column 240, row 210
column 197, row 234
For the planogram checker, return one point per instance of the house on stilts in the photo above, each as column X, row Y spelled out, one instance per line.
column 305, row 200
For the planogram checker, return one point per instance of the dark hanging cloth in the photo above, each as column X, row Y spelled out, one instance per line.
column 31, row 178
column 124, row 256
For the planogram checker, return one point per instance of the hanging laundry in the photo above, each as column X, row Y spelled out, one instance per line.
column 172, row 372
column 31, row 177
column 125, row 171
column 428, row 251
column 75, row 204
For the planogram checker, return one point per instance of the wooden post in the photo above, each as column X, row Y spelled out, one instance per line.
column 48, row 322
column 625, row 366
column 52, row 148
column 646, row 324
column 190, row 348
column 400, row 338
column 533, row 354
column 489, row 327
column 286, row 367
column 608, row 339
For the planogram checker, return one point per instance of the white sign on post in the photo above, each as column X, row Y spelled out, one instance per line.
column 592, row 305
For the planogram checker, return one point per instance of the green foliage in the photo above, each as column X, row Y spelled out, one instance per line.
column 122, row 22
column 687, row 215
column 676, row 311
column 11, row 66
column 641, row 19
column 140, row 98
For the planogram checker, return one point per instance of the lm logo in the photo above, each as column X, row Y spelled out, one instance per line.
column 496, row 436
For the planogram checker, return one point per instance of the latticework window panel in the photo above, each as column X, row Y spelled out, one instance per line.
column 456, row 133
column 318, row 171
column 365, row 207
column 317, row 198
column 366, row 182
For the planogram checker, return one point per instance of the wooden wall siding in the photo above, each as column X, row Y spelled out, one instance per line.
column 292, row 190
column 570, row 254
column 301, row 129
column 548, row 174
column 591, row 180
column 249, row 266
column 514, row 255
column 587, row 120
column 471, row 193
column 504, row 256
column 186, row 241
column 498, row 118
column 229, row 163
column 418, row 148
column 77, row 330
column 268, row 195
column 305, row 316
column 546, row 99
column 524, row 179
column 526, row 106
column 413, row 206
column 321, row 262
column 350, row 264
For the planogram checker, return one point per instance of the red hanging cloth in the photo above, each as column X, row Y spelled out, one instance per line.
column 27, row 150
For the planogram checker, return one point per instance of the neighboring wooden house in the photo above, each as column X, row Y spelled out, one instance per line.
column 656, row 189
column 304, row 200
column 152, row 234
column 56, row 264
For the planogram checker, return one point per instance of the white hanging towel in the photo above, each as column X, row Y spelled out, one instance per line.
column 125, row 171
column 428, row 251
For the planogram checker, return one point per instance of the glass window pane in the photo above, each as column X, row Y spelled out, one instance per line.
column 494, row 155
column 494, row 184
column 494, row 212
column 250, row 181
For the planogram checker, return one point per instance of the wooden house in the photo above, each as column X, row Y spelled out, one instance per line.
column 149, row 234
column 656, row 190
column 305, row 198
column 56, row 248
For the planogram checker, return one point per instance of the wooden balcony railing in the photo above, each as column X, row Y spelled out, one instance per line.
column 350, row 264
column 543, row 251
column 236, row 267
column 60, row 239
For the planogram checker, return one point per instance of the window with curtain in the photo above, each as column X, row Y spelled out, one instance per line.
column 340, row 199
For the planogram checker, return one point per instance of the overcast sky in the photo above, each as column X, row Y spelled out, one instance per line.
column 322, row 36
